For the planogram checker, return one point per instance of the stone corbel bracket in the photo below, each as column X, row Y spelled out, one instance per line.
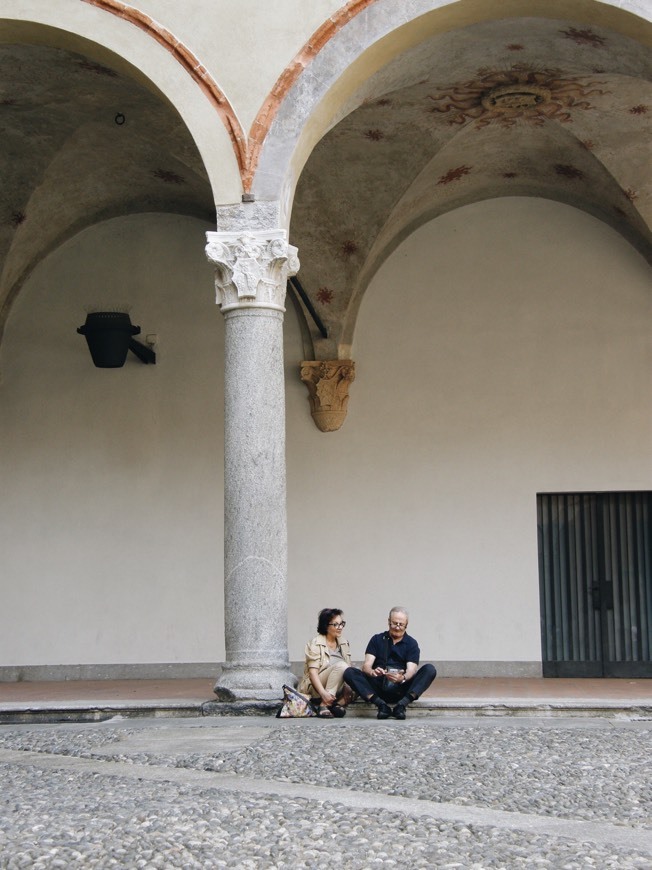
column 328, row 384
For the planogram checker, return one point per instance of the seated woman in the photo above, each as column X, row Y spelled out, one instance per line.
column 327, row 657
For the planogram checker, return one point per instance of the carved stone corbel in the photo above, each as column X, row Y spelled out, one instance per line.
column 328, row 384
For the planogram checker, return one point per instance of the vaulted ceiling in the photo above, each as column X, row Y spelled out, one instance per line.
column 82, row 141
column 526, row 106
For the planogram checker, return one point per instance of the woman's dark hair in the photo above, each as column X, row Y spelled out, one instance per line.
column 325, row 617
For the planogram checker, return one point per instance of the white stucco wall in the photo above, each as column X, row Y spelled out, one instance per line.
column 503, row 350
column 111, row 509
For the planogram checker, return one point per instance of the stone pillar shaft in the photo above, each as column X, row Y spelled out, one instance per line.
column 255, row 529
column 251, row 274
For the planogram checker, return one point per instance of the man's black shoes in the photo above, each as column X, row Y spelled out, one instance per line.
column 384, row 712
column 399, row 711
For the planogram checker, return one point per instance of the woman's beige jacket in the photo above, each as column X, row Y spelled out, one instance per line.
column 317, row 656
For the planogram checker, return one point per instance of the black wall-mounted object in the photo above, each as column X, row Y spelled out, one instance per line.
column 110, row 334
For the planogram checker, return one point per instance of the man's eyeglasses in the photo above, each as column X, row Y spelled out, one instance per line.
column 398, row 624
column 337, row 624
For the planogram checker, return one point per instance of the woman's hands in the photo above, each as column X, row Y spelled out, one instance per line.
column 327, row 698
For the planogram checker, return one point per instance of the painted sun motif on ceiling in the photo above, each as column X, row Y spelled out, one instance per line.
column 518, row 94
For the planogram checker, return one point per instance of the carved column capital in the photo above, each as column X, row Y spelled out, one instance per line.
column 251, row 268
column 328, row 384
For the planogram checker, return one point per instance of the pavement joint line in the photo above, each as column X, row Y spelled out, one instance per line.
column 597, row 832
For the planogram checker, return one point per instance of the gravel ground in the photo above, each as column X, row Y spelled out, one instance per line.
column 66, row 818
column 598, row 775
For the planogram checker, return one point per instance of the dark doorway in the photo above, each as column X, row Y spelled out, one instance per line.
column 595, row 579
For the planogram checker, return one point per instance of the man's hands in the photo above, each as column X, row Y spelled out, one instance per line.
column 392, row 675
column 369, row 668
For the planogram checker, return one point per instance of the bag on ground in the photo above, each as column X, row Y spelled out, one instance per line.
column 295, row 705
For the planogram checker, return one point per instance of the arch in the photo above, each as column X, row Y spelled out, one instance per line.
column 419, row 206
column 269, row 109
column 162, row 62
column 70, row 181
column 192, row 65
column 320, row 86
column 388, row 243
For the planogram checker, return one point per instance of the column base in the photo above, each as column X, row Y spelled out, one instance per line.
column 253, row 681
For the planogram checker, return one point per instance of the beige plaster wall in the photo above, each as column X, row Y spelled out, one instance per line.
column 503, row 350
column 111, row 509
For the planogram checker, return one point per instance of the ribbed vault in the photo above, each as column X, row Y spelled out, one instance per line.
column 523, row 106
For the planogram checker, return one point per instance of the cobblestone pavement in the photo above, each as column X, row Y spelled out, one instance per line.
column 353, row 793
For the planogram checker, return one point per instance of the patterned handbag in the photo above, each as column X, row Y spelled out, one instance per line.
column 295, row 705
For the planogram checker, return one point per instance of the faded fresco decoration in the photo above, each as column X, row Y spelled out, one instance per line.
column 519, row 94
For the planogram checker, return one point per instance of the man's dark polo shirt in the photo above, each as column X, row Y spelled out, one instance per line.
column 406, row 650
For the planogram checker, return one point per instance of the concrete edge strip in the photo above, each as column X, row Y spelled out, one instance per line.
column 597, row 832
column 441, row 703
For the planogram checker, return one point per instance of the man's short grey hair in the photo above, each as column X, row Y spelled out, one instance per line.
column 399, row 610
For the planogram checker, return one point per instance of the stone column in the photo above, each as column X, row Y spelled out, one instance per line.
column 252, row 268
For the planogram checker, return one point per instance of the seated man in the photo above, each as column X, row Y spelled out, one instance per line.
column 390, row 673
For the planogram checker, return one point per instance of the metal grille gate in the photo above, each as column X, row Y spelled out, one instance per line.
column 595, row 578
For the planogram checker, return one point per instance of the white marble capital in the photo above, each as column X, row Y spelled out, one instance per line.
column 251, row 268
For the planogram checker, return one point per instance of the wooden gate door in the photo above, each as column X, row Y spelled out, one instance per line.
column 595, row 579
